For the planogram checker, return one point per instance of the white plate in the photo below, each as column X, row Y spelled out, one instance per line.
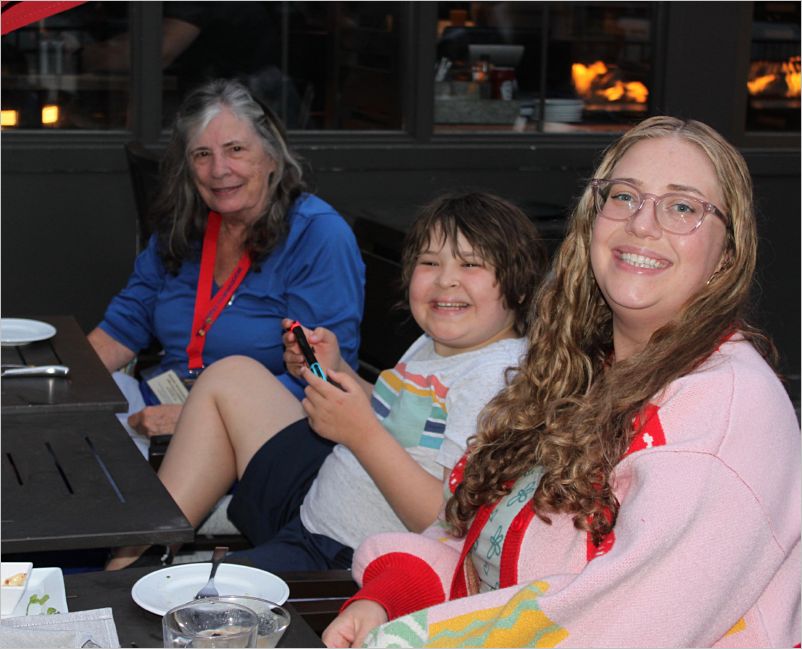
column 16, row 331
column 43, row 581
column 160, row 591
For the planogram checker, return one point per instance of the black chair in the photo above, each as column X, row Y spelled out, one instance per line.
column 379, row 239
column 386, row 331
column 143, row 167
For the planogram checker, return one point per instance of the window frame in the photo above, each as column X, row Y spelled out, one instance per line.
column 724, row 106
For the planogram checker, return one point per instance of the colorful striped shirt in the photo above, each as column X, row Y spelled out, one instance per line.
column 429, row 403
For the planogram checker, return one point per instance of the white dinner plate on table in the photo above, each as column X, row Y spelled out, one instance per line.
column 17, row 331
column 163, row 589
column 44, row 594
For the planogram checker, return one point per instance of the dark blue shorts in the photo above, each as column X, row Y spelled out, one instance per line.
column 267, row 502
column 276, row 480
column 296, row 548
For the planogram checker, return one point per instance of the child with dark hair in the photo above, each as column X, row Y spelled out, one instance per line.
column 471, row 265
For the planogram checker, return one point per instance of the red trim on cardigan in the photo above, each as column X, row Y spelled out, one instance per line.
column 459, row 587
column 648, row 430
column 457, row 473
column 508, row 572
column 400, row 582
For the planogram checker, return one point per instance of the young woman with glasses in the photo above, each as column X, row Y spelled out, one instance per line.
column 638, row 483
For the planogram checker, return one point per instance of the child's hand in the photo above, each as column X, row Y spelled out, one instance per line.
column 350, row 627
column 323, row 342
column 343, row 416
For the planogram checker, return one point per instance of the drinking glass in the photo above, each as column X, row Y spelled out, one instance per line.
column 273, row 619
column 210, row 623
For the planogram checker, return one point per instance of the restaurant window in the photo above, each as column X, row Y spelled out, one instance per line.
column 319, row 65
column 550, row 67
column 68, row 71
column 774, row 70
column 500, row 67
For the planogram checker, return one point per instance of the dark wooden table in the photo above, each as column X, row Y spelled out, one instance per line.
column 74, row 480
column 88, row 387
column 319, row 595
column 137, row 627
column 71, row 476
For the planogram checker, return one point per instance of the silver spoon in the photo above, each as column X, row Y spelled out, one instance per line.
column 209, row 590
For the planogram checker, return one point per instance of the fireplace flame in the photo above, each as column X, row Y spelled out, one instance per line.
column 598, row 81
column 775, row 78
column 758, row 85
column 583, row 76
column 791, row 70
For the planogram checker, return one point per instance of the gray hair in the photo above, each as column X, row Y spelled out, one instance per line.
column 179, row 212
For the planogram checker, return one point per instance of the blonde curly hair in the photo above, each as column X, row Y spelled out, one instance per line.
column 568, row 409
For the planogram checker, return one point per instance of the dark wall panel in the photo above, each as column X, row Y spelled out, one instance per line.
column 778, row 288
column 393, row 197
column 68, row 243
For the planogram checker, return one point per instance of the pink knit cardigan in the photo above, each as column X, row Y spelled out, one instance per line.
column 705, row 551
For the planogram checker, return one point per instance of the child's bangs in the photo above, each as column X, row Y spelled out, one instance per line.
column 446, row 226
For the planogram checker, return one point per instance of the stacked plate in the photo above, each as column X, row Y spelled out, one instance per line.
column 557, row 110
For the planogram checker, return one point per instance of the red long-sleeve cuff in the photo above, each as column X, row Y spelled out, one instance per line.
column 401, row 583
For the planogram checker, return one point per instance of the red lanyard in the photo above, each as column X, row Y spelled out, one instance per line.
column 207, row 308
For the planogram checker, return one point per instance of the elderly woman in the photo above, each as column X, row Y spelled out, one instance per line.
column 638, row 483
column 239, row 247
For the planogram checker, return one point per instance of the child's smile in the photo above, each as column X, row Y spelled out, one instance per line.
column 450, row 306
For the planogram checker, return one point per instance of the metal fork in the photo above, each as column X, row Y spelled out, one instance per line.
column 209, row 590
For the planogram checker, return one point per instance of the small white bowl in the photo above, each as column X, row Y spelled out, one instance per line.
column 10, row 595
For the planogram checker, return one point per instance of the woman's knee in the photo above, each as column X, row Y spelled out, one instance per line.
column 232, row 365
column 234, row 372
